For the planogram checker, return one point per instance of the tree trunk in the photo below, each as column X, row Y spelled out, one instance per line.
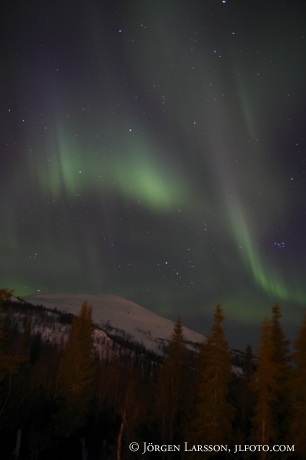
column 120, row 440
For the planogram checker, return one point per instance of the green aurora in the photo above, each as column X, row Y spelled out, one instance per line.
column 157, row 152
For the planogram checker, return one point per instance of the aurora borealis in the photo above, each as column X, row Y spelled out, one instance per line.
column 156, row 150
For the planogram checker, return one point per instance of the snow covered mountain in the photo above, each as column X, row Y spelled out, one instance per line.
column 112, row 312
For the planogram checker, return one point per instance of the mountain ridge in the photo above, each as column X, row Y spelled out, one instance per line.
column 112, row 311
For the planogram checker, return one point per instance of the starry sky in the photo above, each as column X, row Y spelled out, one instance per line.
column 157, row 150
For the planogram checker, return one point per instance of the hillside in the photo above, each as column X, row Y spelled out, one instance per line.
column 112, row 312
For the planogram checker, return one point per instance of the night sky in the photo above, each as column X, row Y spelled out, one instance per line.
column 157, row 150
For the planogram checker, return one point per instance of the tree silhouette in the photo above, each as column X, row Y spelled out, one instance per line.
column 9, row 362
column 298, row 386
column 5, row 294
column 264, row 386
column 281, row 357
column 172, row 388
column 76, row 373
column 213, row 422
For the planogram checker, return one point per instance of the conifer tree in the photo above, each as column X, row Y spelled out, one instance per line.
column 76, row 372
column 298, row 386
column 244, row 398
column 5, row 294
column 265, row 386
column 9, row 363
column 280, row 343
column 281, row 357
column 172, row 388
column 212, row 424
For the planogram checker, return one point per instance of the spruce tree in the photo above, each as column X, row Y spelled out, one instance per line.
column 244, row 399
column 280, row 343
column 76, row 373
column 172, row 388
column 281, row 357
column 9, row 363
column 298, row 387
column 265, row 386
column 5, row 294
column 271, row 383
column 213, row 422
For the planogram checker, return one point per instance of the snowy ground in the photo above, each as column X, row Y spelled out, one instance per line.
column 143, row 325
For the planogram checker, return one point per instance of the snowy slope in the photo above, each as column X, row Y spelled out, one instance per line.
column 143, row 325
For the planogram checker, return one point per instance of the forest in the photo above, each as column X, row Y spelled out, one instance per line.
column 67, row 400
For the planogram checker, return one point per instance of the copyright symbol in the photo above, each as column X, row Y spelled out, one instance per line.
column 134, row 446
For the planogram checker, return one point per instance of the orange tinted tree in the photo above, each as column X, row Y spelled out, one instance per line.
column 298, row 387
column 76, row 373
column 172, row 388
column 214, row 413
